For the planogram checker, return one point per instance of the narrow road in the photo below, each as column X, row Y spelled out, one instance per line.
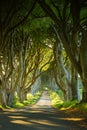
column 38, row 117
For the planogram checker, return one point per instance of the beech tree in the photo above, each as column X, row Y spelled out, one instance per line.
column 70, row 20
column 25, row 33
column 20, row 53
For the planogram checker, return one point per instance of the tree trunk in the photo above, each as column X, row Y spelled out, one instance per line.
column 22, row 95
column 83, row 59
column 10, row 97
column 3, row 98
column 84, row 91
column 68, row 91
column 74, row 83
column 0, row 97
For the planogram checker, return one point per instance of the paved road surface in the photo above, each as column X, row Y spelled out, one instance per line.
column 38, row 117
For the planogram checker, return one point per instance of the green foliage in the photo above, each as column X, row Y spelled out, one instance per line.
column 56, row 100
column 58, row 103
column 69, row 104
column 60, row 93
column 4, row 107
column 81, row 106
column 31, row 99
column 1, row 108
column 38, row 29
column 46, row 56
column 74, row 104
column 40, row 24
column 18, row 105
column 83, row 13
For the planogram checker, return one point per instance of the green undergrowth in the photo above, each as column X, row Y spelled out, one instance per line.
column 1, row 108
column 17, row 105
column 81, row 106
column 74, row 105
column 69, row 104
column 63, row 105
column 31, row 99
column 56, row 100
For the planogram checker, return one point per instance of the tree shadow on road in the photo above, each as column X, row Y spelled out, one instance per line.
column 37, row 119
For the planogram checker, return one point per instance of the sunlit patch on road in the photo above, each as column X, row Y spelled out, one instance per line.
column 17, row 117
column 41, row 116
column 72, row 119
column 21, row 122
column 45, row 122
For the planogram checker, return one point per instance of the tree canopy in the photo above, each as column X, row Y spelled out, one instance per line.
column 42, row 36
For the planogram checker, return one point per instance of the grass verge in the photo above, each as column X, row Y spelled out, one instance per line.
column 63, row 105
column 31, row 99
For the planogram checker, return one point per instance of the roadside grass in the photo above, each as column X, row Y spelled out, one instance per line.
column 31, row 99
column 17, row 105
column 64, row 105
column 81, row 106
column 1, row 108
column 56, row 100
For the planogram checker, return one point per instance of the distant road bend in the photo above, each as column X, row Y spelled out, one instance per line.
column 38, row 117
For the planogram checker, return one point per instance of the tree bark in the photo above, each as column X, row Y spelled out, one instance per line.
column 83, row 60
column 74, row 83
